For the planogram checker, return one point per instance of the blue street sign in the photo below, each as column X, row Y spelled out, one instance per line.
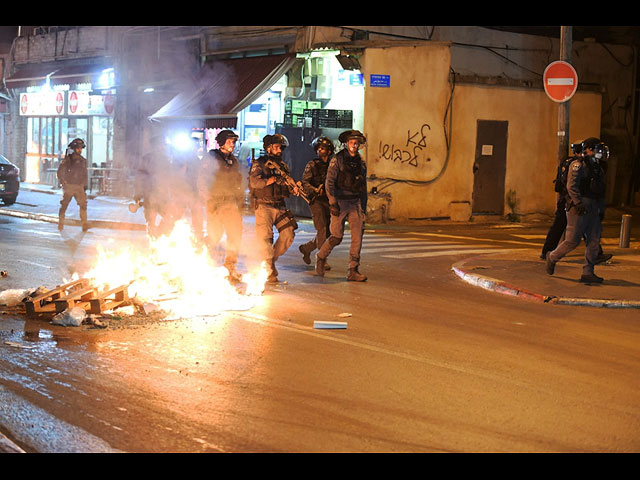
column 379, row 80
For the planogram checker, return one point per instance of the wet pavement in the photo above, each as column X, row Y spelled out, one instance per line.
column 518, row 272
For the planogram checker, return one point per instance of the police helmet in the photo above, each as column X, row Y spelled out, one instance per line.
column 77, row 143
column 275, row 139
column 590, row 142
column 224, row 135
column 324, row 142
column 349, row 134
column 576, row 148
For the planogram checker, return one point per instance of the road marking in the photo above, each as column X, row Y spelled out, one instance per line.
column 424, row 247
column 35, row 264
column 492, row 240
column 445, row 253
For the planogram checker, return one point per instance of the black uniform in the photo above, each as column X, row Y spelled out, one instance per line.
column 72, row 174
column 313, row 180
column 560, row 219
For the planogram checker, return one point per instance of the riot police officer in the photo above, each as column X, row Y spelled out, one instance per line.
column 268, row 191
column 72, row 175
column 559, row 223
column 152, row 186
column 313, row 180
column 346, row 188
column 585, row 188
column 220, row 185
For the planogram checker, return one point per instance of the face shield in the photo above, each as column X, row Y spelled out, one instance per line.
column 601, row 153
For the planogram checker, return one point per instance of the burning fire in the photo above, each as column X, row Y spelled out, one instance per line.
column 177, row 276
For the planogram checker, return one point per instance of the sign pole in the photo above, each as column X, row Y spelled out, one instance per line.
column 563, row 107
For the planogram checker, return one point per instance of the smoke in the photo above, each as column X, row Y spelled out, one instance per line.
column 165, row 174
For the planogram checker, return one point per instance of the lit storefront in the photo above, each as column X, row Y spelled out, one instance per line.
column 55, row 110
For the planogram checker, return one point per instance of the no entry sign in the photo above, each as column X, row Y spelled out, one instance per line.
column 560, row 81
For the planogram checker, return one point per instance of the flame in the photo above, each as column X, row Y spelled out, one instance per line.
column 175, row 274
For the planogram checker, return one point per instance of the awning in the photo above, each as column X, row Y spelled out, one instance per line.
column 59, row 74
column 223, row 88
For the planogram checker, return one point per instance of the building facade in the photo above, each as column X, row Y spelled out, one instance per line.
column 456, row 118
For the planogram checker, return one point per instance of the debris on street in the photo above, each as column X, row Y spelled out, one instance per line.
column 71, row 317
column 13, row 297
column 18, row 345
column 330, row 325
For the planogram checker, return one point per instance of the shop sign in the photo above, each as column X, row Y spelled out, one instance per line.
column 81, row 102
column 42, row 103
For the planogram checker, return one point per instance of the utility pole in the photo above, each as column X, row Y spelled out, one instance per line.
column 566, row 38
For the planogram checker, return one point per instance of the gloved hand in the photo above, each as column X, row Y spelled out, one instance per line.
column 334, row 208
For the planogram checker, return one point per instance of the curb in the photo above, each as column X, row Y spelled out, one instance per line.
column 504, row 288
column 69, row 221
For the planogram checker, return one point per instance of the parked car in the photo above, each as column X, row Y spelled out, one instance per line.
column 9, row 181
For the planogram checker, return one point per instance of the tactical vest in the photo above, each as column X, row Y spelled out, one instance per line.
column 593, row 183
column 273, row 193
column 227, row 180
column 318, row 170
column 351, row 174
column 73, row 169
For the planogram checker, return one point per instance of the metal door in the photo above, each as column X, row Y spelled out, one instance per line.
column 489, row 167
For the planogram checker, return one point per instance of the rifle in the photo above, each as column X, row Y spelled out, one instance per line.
column 291, row 183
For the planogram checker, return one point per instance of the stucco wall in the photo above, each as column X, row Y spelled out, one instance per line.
column 405, row 127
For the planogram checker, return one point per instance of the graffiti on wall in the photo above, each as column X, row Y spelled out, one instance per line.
column 413, row 152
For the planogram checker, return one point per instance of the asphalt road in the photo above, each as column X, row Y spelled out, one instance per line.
column 427, row 363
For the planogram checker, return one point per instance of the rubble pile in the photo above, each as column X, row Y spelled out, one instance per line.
column 66, row 306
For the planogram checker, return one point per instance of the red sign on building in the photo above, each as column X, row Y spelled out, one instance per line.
column 560, row 81
column 73, row 102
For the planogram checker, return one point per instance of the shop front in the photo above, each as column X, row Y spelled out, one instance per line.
column 54, row 108
column 302, row 96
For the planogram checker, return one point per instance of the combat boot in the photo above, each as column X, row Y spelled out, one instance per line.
column 353, row 275
column 273, row 276
column 306, row 253
column 591, row 278
column 551, row 265
column 321, row 265
column 233, row 277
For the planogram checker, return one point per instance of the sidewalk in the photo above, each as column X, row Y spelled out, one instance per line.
column 101, row 211
column 519, row 273
column 522, row 274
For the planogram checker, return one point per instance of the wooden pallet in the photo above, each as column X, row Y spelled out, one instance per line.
column 78, row 293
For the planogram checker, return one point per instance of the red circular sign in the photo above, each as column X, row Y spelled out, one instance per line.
column 59, row 102
column 24, row 102
column 73, row 102
column 560, row 81
column 109, row 103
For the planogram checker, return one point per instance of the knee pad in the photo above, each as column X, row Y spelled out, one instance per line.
column 334, row 241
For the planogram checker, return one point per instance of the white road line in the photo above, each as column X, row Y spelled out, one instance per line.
column 492, row 240
column 423, row 247
column 446, row 252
